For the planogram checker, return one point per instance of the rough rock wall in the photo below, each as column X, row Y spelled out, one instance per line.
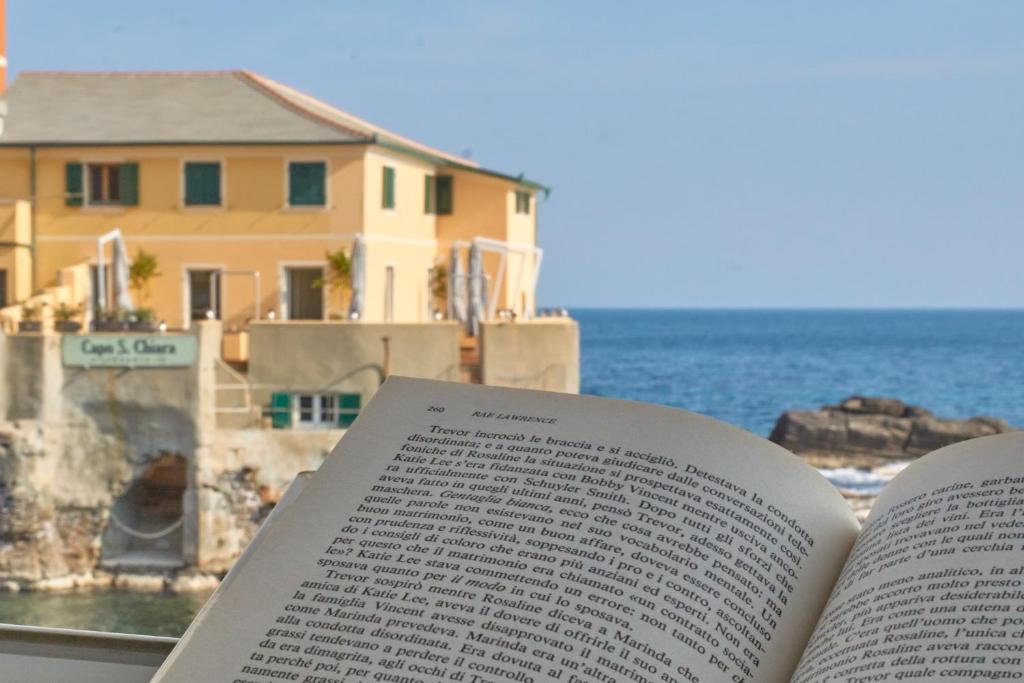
column 74, row 441
column 243, row 474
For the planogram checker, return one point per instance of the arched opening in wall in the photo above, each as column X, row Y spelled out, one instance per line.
column 144, row 530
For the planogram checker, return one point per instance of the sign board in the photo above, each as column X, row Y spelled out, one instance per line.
column 128, row 350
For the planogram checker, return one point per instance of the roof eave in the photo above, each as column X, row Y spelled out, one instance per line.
column 441, row 161
column 171, row 143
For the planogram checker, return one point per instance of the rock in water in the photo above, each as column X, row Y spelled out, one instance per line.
column 865, row 431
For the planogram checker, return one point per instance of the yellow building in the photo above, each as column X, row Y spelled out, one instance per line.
column 240, row 186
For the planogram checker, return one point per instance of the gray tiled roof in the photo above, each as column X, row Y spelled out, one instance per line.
column 104, row 108
column 67, row 108
column 187, row 107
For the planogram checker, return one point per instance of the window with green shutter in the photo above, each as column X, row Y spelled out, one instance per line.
column 74, row 192
column 522, row 202
column 429, row 195
column 307, row 183
column 129, row 184
column 388, row 197
column 348, row 408
column 445, row 194
column 281, row 410
column 202, row 183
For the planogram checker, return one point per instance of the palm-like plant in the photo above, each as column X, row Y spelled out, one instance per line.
column 439, row 286
column 143, row 269
column 338, row 274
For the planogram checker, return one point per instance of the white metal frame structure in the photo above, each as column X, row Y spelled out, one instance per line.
column 503, row 248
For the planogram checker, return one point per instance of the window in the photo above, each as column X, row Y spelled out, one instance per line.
column 429, row 194
column 101, row 184
column 104, row 183
column 307, row 183
column 437, row 192
column 522, row 202
column 313, row 411
column 445, row 194
column 388, row 196
column 202, row 183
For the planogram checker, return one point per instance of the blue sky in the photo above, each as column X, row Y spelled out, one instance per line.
column 712, row 154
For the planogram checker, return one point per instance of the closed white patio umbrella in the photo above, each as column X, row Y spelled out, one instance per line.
column 358, row 284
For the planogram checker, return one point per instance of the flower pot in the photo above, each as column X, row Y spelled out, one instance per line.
column 109, row 326
column 30, row 326
column 67, row 326
column 141, row 326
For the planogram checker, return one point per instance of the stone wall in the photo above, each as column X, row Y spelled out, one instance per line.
column 72, row 440
column 78, row 444
column 537, row 354
column 249, row 471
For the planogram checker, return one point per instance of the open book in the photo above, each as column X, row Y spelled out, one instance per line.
column 484, row 535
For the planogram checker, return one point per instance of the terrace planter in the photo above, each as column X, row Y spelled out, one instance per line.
column 110, row 326
column 141, row 326
column 30, row 326
column 67, row 326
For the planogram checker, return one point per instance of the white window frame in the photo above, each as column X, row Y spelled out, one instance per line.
column 87, row 204
column 307, row 208
column 319, row 408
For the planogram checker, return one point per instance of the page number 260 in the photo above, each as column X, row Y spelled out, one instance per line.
column 435, row 409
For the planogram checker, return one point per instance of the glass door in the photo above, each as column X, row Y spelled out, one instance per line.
column 305, row 298
column 204, row 294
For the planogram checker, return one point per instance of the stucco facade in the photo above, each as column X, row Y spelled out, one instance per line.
column 375, row 186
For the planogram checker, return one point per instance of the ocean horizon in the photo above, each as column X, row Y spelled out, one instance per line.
column 746, row 366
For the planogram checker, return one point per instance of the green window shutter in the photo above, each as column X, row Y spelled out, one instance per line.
column 73, row 191
column 445, row 194
column 307, row 183
column 348, row 408
column 388, row 200
column 129, row 184
column 202, row 184
column 281, row 410
column 429, row 194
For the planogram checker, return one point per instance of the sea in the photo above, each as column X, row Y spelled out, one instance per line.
column 744, row 367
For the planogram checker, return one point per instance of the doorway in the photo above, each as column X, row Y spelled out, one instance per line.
column 305, row 296
column 389, row 294
column 145, row 523
column 204, row 294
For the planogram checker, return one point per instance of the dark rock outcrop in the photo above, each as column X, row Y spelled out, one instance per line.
column 863, row 431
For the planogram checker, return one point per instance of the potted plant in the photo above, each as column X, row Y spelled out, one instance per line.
column 111, row 321
column 30, row 318
column 64, row 318
column 439, row 290
column 338, row 277
column 141, row 320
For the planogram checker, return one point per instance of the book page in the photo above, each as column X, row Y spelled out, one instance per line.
column 934, row 588
column 466, row 533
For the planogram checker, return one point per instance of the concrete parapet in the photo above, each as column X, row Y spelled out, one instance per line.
column 538, row 354
column 351, row 357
